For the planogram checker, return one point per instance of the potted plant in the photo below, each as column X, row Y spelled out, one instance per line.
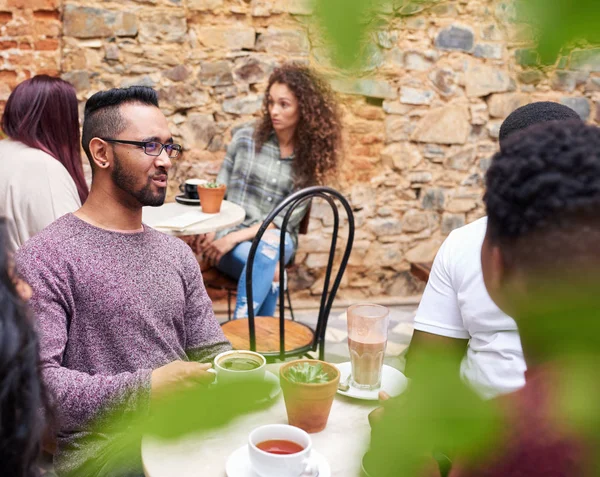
column 211, row 196
column 309, row 387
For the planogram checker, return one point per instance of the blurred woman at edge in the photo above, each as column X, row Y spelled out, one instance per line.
column 42, row 175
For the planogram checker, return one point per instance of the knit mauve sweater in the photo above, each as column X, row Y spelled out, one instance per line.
column 111, row 307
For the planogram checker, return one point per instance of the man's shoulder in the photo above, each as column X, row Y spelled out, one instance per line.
column 473, row 232
column 50, row 242
column 462, row 248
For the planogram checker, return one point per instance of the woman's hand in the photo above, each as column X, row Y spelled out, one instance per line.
column 215, row 250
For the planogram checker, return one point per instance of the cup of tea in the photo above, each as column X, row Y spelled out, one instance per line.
column 190, row 188
column 367, row 340
column 279, row 450
column 236, row 365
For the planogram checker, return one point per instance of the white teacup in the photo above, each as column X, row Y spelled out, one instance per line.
column 267, row 464
column 227, row 374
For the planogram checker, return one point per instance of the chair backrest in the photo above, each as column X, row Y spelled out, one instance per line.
column 330, row 288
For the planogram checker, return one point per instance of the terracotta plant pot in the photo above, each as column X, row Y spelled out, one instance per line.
column 211, row 198
column 308, row 405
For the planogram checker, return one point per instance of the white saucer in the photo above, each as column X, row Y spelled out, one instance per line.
column 182, row 199
column 393, row 382
column 238, row 464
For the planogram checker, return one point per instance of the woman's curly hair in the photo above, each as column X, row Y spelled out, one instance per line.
column 318, row 134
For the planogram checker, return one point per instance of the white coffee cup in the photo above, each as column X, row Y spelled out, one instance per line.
column 225, row 375
column 266, row 464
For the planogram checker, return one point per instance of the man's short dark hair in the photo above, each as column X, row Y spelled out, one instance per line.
column 102, row 117
column 535, row 113
column 543, row 195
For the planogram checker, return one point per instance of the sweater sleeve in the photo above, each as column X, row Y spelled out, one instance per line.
column 78, row 397
column 204, row 337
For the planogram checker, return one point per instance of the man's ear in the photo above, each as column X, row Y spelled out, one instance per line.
column 101, row 153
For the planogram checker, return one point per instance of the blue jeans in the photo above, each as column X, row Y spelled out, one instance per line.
column 265, row 291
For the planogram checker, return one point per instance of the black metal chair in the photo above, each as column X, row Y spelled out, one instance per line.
column 281, row 338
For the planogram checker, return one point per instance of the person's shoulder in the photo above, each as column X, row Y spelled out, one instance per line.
column 49, row 242
column 468, row 235
column 175, row 246
column 28, row 158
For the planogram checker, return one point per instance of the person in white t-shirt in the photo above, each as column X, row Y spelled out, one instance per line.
column 457, row 313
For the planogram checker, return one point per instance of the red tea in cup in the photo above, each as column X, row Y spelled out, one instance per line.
column 280, row 447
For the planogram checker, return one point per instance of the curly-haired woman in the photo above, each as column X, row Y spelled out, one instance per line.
column 294, row 145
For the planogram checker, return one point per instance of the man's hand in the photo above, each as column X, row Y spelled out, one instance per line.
column 177, row 375
column 216, row 249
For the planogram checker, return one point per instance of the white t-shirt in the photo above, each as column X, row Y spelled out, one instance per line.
column 456, row 304
column 35, row 190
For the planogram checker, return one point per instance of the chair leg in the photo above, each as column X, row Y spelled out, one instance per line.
column 289, row 300
column 228, row 305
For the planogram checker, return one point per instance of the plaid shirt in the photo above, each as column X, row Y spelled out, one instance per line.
column 259, row 181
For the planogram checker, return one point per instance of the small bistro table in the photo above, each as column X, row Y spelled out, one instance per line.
column 230, row 215
column 343, row 442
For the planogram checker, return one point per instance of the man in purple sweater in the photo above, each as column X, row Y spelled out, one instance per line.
column 122, row 309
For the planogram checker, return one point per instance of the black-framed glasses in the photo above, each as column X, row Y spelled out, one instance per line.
column 152, row 148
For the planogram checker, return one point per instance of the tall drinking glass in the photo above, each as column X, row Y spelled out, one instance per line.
column 367, row 339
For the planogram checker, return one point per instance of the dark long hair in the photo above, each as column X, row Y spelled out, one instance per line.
column 318, row 133
column 21, row 391
column 42, row 113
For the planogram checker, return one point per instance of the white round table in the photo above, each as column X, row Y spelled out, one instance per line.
column 343, row 442
column 230, row 215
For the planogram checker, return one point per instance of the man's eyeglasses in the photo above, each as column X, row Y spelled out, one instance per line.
column 152, row 148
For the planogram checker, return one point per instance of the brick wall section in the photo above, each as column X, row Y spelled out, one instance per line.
column 30, row 32
column 420, row 122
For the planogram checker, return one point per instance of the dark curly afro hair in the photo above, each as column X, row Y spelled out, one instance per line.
column 318, row 134
column 543, row 195
column 535, row 113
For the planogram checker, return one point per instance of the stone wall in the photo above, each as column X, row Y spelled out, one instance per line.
column 420, row 122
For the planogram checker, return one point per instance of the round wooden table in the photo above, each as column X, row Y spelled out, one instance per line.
column 230, row 215
column 343, row 442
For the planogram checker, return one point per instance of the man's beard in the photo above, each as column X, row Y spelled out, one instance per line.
column 125, row 181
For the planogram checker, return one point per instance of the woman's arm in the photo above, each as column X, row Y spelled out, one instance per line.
column 216, row 249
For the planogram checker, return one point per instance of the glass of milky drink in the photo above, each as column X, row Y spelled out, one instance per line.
column 367, row 338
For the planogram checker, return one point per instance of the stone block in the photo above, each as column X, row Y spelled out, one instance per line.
column 79, row 79
column 162, row 26
column 447, row 125
column 217, row 73
column 455, row 38
column 88, row 22
column 401, row 156
column 592, row 85
column 387, row 39
column 433, row 198
column 445, row 81
column 564, row 81
column 182, row 95
column 33, row 4
column 451, row 222
column 415, row 96
column 385, row 226
column 232, row 37
column 178, row 73
column 398, row 128
column 253, row 69
column 415, row 221
column 198, row 131
column 462, row 160
column 424, row 252
column 203, row 5
column 316, row 260
column 488, row 50
column 531, row 77
column 365, row 87
column 111, row 52
column 396, row 107
column 434, row 153
column 527, row 57
column 580, row 105
column 420, row 177
column 286, row 42
column 415, row 61
column 501, row 105
column 479, row 113
column 243, row 105
column 482, row 80
column 587, row 60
